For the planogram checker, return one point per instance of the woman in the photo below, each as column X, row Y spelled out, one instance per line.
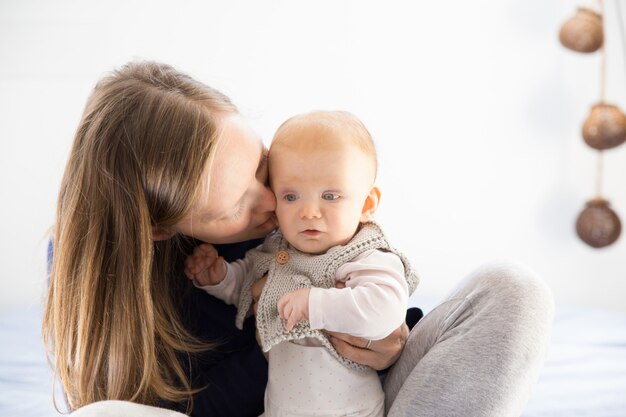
column 160, row 161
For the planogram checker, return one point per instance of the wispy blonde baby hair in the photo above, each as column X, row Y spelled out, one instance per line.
column 326, row 130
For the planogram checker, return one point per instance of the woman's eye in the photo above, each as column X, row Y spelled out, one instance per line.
column 290, row 197
column 330, row 196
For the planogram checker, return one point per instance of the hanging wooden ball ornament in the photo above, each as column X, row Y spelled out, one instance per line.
column 605, row 127
column 582, row 32
column 598, row 225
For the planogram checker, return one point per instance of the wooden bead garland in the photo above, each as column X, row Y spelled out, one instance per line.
column 583, row 32
column 598, row 225
column 605, row 128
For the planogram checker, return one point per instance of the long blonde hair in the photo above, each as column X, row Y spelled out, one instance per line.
column 112, row 325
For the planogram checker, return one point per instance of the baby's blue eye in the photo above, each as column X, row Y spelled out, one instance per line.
column 290, row 197
column 330, row 196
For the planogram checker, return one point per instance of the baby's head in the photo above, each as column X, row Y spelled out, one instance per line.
column 322, row 169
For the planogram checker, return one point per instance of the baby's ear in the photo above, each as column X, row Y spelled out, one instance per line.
column 371, row 204
column 161, row 234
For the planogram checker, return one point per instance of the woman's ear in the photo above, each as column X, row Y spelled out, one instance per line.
column 161, row 234
column 371, row 204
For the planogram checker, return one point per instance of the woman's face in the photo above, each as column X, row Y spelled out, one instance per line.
column 237, row 204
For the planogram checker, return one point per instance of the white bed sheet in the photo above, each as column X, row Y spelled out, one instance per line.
column 585, row 371
column 25, row 377
column 584, row 374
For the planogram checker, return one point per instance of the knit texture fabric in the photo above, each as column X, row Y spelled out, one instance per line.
column 303, row 270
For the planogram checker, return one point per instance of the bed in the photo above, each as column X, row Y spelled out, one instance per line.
column 584, row 375
column 585, row 372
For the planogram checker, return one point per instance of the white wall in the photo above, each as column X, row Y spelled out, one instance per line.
column 475, row 106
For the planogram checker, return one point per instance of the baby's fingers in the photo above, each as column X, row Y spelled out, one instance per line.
column 194, row 264
column 281, row 307
column 289, row 314
column 220, row 265
column 188, row 272
column 191, row 266
column 206, row 249
column 285, row 310
column 292, row 321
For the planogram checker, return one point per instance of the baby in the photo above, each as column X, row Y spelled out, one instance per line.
column 328, row 267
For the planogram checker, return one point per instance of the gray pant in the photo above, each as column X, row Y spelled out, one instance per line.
column 478, row 353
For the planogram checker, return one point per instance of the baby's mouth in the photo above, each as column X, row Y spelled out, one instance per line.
column 311, row 232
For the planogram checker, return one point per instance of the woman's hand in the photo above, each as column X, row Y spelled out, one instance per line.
column 377, row 354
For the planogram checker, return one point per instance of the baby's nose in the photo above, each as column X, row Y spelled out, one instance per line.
column 310, row 211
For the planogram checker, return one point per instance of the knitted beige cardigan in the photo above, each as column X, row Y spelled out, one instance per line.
column 302, row 270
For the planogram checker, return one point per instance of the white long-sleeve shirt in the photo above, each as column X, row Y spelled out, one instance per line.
column 372, row 304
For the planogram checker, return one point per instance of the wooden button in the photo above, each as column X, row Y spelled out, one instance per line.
column 282, row 257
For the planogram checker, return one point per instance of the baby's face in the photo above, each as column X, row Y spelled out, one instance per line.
column 320, row 194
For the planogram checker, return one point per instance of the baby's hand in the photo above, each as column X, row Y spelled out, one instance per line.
column 294, row 307
column 205, row 266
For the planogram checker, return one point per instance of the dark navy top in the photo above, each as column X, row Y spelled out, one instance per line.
column 235, row 372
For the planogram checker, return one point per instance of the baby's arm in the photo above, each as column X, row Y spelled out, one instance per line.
column 213, row 274
column 373, row 303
